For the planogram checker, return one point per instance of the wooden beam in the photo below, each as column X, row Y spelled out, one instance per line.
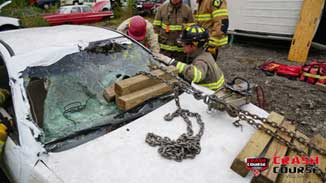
column 320, row 142
column 305, row 30
column 109, row 93
column 290, row 177
column 131, row 100
column 255, row 146
column 278, row 149
column 139, row 82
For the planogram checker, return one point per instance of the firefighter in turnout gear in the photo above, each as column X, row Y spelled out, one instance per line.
column 5, row 123
column 200, row 66
column 169, row 21
column 141, row 30
column 213, row 15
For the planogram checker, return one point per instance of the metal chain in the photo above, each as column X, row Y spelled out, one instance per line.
column 214, row 102
column 187, row 146
column 251, row 120
column 244, row 114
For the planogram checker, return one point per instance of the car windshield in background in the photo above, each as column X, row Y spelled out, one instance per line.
column 64, row 10
column 67, row 97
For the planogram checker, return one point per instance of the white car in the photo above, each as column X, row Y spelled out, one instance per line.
column 8, row 23
column 66, row 132
column 71, row 2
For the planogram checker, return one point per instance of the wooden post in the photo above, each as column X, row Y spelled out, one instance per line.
column 305, row 30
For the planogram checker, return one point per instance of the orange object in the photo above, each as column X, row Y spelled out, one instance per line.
column 167, row 29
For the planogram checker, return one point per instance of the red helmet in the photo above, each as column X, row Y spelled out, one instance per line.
column 137, row 28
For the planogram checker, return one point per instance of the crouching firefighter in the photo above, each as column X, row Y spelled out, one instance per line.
column 200, row 66
column 5, row 123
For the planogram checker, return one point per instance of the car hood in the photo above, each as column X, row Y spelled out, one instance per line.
column 123, row 155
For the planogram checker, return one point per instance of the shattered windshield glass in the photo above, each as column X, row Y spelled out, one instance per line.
column 67, row 97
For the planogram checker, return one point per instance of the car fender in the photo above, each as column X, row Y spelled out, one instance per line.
column 9, row 21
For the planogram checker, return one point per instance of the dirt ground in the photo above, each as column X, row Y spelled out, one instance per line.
column 296, row 100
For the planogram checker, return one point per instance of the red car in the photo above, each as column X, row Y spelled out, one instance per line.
column 148, row 6
column 77, row 14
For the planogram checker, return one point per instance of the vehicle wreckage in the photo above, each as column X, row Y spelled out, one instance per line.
column 66, row 131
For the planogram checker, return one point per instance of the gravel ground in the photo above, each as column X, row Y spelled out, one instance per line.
column 296, row 100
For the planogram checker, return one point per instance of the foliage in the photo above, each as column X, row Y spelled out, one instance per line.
column 30, row 16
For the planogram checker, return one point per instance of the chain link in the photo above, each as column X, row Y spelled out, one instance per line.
column 188, row 146
column 250, row 119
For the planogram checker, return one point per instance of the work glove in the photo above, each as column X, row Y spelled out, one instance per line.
column 167, row 60
column 213, row 51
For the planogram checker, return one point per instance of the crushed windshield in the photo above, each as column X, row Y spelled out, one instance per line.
column 67, row 96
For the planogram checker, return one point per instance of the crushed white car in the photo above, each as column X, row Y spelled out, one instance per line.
column 65, row 131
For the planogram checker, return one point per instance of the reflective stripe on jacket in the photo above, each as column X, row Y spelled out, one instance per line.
column 3, row 137
column 5, row 125
column 168, row 24
column 213, row 15
column 203, row 70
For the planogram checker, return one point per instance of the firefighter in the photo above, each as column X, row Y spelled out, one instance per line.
column 213, row 15
column 5, row 123
column 169, row 21
column 141, row 30
column 200, row 66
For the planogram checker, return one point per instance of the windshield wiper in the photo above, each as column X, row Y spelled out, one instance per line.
column 106, row 47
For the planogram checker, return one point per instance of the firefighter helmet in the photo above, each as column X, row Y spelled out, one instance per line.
column 195, row 34
column 137, row 28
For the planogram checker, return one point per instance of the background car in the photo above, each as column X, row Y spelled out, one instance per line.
column 9, row 23
column 71, row 2
column 77, row 14
column 147, row 7
column 102, row 6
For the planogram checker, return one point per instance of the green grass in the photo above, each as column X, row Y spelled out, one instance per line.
column 30, row 16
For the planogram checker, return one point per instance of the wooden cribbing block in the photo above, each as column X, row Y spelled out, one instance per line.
column 109, row 93
column 139, row 82
column 131, row 100
column 305, row 30
column 320, row 142
column 278, row 149
column 255, row 146
column 294, row 178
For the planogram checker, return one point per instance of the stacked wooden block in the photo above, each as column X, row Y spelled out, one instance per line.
column 263, row 145
column 131, row 92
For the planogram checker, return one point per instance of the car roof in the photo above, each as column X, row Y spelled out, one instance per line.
column 23, row 41
column 71, row 6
